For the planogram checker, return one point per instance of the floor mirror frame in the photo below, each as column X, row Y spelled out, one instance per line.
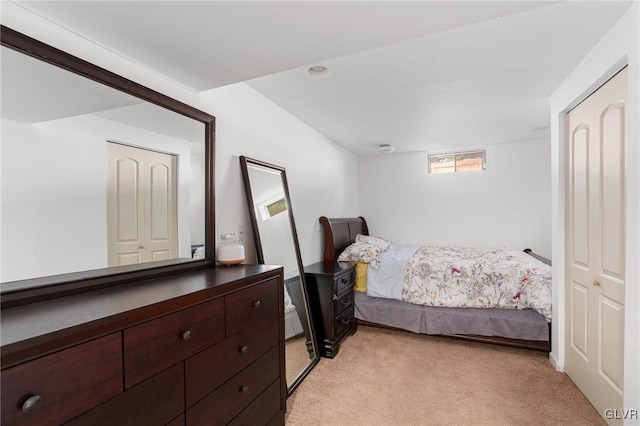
column 274, row 209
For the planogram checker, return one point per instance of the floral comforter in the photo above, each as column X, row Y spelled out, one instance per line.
column 477, row 278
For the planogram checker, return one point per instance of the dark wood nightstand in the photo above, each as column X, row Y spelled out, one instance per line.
column 330, row 286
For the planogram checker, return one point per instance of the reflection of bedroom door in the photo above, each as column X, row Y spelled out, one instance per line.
column 595, row 241
column 141, row 205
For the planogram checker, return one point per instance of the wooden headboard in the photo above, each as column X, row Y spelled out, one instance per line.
column 339, row 233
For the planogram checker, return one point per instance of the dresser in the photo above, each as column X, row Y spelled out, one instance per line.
column 330, row 288
column 199, row 348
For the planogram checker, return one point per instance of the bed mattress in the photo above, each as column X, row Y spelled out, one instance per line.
column 523, row 324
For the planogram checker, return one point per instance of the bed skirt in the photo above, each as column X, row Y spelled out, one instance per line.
column 508, row 323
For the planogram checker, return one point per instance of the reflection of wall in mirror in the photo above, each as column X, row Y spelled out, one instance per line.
column 53, row 193
column 196, row 198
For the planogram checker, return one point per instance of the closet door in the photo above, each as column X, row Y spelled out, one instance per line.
column 595, row 242
column 141, row 205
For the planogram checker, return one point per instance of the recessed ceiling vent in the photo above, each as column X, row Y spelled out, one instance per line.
column 318, row 71
column 385, row 148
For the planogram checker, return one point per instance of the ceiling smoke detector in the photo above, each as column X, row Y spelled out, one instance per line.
column 385, row 148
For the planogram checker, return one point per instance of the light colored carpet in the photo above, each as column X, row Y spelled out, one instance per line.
column 389, row 377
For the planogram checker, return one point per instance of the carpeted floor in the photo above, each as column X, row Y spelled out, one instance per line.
column 388, row 377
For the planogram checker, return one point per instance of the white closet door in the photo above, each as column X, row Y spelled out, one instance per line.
column 141, row 205
column 595, row 238
column 161, row 220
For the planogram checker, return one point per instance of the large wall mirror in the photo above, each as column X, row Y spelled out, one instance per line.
column 103, row 180
column 276, row 243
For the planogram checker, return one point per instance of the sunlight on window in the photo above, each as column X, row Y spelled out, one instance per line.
column 457, row 162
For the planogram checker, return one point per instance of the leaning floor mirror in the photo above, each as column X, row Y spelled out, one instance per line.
column 276, row 243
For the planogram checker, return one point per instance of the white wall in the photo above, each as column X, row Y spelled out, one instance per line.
column 507, row 204
column 621, row 45
column 54, row 213
column 323, row 177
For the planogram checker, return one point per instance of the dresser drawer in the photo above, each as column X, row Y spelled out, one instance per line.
column 344, row 282
column 212, row 367
column 222, row 405
column 250, row 305
column 68, row 383
column 156, row 401
column 178, row 421
column 344, row 302
column 158, row 344
column 262, row 409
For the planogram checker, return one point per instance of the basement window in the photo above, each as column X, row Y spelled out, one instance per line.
column 457, row 162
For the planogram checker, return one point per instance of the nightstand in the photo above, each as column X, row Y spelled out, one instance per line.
column 330, row 288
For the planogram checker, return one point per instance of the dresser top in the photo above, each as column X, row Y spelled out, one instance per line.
column 30, row 330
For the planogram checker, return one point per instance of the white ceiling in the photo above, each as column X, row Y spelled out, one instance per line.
column 421, row 75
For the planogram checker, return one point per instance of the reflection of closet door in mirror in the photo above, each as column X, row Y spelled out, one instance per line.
column 141, row 205
column 277, row 244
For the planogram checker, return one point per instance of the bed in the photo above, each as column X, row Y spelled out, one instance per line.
column 517, row 326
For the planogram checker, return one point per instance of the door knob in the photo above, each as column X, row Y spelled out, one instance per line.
column 596, row 283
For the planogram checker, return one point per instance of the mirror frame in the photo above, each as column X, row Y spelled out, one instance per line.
column 245, row 162
column 32, row 290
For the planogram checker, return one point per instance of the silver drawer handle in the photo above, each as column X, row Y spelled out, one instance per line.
column 31, row 404
column 186, row 335
column 256, row 304
column 243, row 349
column 244, row 388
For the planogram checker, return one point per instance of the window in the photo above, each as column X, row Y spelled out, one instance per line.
column 457, row 162
column 273, row 207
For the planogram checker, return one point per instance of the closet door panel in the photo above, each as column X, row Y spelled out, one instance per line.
column 612, row 189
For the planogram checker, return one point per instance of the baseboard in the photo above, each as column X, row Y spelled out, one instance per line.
column 554, row 361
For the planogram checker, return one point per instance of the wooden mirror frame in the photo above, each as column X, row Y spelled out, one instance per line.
column 31, row 290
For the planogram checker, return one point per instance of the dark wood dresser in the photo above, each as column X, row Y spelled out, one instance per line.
column 199, row 348
column 330, row 287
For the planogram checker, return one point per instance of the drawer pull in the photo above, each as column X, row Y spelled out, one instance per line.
column 346, row 321
column 243, row 349
column 186, row 335
column 346, row 303
column 257, row 304
column 244, row 389
column 31, row 403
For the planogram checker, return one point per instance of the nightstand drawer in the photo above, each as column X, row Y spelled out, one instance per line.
column 343, row 320
column 344, row 302
column 158, row 344
column 66, row 383
column 344, row 282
